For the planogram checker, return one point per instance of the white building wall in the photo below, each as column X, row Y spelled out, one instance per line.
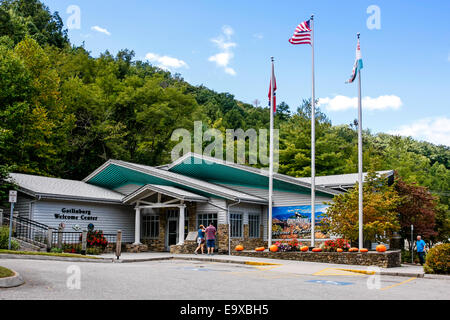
column 203, row 207
column 110, row 217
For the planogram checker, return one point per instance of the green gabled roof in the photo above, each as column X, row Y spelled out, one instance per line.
column 115, row 173
column 219, row 171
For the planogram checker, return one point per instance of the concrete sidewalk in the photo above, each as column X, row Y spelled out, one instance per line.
column 295, row 267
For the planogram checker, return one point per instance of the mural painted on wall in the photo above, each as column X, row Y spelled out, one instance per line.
column 295, row 222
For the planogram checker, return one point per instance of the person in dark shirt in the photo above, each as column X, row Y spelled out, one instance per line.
column 210, row 238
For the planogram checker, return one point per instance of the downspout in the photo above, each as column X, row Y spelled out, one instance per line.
column 227, row 209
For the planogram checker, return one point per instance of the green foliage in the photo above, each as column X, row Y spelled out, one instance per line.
column 56, row 250
column 438, row 259
column 380, row 216
column 21, row 18
column 4, row 239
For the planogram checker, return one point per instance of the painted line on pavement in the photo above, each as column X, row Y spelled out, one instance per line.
column 398, row 284
column 336, row 272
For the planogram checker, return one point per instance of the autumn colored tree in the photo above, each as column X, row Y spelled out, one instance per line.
column 380, row 218
column 417, row 207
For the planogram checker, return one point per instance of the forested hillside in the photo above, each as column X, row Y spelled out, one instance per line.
column 64, row 112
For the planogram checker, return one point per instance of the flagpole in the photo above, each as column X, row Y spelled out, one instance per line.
column 313, row 143
column 360, row 161
column 271, row 108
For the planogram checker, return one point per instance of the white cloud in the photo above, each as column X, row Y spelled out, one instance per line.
column 435, row 130
column 258, row 36
column 166, row 62
column 341, row 103
column 224, row 43
column 101, row 30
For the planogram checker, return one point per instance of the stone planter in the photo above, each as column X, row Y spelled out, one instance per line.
column 388, row 259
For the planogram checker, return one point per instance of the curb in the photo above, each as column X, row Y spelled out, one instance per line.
column 437, row 276
column 13, row 281
column 52, row 258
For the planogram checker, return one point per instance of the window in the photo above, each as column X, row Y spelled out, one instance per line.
column 236, row 225
column 253, row 225
column 150, row 226
column 206, row 218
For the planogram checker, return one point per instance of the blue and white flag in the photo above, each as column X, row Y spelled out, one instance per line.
column 358, row 64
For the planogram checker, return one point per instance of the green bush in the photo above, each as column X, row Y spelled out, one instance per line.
column 438, row 259
column 56, row 250
column 15, row 245
column 94, row 250
column 4, row 236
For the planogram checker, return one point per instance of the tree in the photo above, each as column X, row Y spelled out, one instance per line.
column 380, row 218
column 5, row 184
column 418, row 207
column 21, row 18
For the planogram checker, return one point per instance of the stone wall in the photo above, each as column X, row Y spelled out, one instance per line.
column 388, row 259
column 246, row 241
column 187, row 247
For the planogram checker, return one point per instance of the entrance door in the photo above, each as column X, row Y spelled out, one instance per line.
column 172, row 232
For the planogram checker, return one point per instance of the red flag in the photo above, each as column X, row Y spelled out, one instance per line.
column 274, row 92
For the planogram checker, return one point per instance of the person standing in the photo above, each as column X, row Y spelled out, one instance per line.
column 420, row 247
column 210, row 238
column 200, row 239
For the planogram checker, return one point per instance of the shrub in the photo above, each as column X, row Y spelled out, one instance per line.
column 332, row 245
column 94, row 251
column 438, row 259
column 4, row 236
column 56, row 250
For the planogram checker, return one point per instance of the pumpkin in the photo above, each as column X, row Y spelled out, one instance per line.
column 363, row 250
column 239, row 248
column 380, row 248
column 273, row 248
column 260, row 249
column 353, row 250
column 304, row 248
column 339, row 250
column 316, row 250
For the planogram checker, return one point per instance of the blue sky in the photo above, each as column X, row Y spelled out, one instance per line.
column 227, row 45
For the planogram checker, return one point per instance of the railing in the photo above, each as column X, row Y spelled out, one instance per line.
column 70, row 241
column 28, row 230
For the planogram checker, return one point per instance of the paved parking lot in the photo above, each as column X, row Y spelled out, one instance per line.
column 178, row 279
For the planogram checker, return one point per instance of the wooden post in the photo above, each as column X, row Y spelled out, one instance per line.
column 83, row 242
column 49, row 239
column 60, row 237
column 1, row 217
column 118, row 244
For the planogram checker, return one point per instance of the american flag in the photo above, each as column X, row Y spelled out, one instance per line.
column 302, row 34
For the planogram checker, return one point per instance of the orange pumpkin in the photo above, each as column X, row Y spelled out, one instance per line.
column 273, row 248
column 304, row 248
column 239, row 248
column 339, row 250
column 380, row 248
column 316, row 250
column 260, row 249
column 363, row 250
column 353, row 250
